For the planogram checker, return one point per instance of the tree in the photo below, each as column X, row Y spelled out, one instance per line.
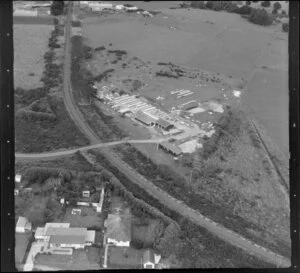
column 260, row 17
column 277, row 6
column 57, row 8
column 248, row 3
column 283, row 13
column 274, row 11
column 231, row 7
column 198, row 4
column 209, row 5
column 285, row 27
column 265, row 4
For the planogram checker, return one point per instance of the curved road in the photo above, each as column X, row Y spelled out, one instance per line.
column 163, row 197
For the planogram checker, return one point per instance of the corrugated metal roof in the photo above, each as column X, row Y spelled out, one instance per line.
column 68, row 239
column 22, row 221
column 141, row 116
column 163, row 123
column 172, row 148
column 66, row 231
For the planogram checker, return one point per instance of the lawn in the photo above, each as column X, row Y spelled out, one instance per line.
column 89, row 218
column 21, row 245
column 30, row 45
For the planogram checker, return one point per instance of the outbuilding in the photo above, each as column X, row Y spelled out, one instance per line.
column 144, row 118
column 23, row 225
column 171, row 148
column 161, row 123
column 148, row 259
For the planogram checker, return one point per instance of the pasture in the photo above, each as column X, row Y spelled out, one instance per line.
column 30, row 45
column 212, row 41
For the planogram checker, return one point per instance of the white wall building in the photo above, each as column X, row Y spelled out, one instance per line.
column 23, row 225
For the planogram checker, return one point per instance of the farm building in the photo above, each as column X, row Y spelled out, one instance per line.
column 23, row 225
column 190, row 106
column 161, row 123
column 145, row 118
column 171, row 148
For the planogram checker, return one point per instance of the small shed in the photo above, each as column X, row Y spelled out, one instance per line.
column 23, row 225
column 86, row 194
column 148, row 259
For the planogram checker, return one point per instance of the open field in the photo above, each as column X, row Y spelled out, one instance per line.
column 30, row 45
column 214, row 41
column 31, row 20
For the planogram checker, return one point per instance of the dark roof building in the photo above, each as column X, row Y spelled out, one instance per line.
column 144, row 118
column 190, row 106
column 164, row 124
column 171, row 148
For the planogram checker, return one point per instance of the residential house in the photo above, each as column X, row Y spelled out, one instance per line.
column 61, row 235
column 23, row 225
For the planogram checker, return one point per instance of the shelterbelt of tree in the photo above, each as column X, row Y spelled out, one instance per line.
column 162, row 196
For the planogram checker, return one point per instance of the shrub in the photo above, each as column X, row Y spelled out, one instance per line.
column 231, row 7
column 285, row 27
column 277, row 5
column 100, row 48
column 265, row 4
column 260, row 17
column 283, row 13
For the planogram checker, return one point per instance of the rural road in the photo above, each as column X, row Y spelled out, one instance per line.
column 164, row 198
column 85, row 148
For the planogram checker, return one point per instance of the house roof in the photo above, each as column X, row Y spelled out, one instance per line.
column 163, row 123
column 170, row 147
column 118, row 227
column 66, row 231
column 68, row 239
column 90, row 236
column 148, row 256
column 39, row 232
column 22, row 221
column 18, row 178
column 141, row 116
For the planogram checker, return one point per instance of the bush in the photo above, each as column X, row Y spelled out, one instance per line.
column 260, row 17
column 57, row 8
column 265, row 4
column 285, row 27
column 277, row 6
column 231, row 7
column 283, row 13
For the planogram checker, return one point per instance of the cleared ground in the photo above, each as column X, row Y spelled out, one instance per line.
column 30, row 45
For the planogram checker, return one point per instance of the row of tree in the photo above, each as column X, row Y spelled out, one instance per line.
column 256, row 16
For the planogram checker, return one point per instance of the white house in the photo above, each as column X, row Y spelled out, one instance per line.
column 23, row 225
column 23, row 12
column 60, row 235
column 86, row 193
